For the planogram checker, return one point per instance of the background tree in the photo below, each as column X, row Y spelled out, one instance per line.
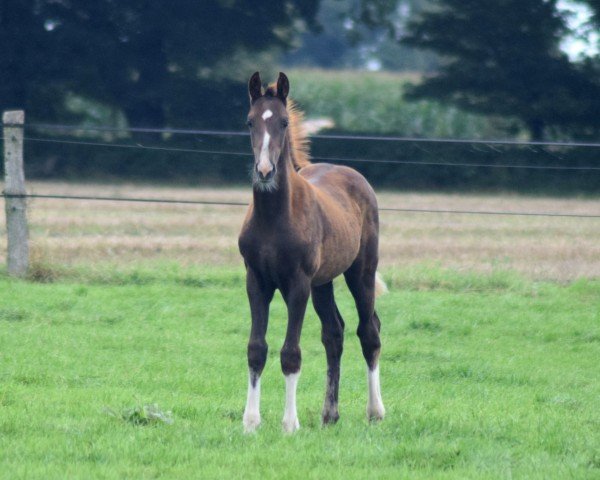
column 148, row 58
column 595, row 5
column 503, row 57
column 360, row 34
column 594, row 24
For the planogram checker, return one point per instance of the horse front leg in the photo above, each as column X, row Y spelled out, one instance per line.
column 296, row 297
column 260, row 294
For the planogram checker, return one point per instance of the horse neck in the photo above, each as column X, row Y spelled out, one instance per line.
column 277, row 203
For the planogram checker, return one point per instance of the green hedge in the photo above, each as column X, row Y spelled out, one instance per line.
column 373, row 102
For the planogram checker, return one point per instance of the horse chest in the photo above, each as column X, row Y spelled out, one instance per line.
column 276, row 254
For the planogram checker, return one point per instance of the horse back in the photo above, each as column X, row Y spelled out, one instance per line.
column 343, row 187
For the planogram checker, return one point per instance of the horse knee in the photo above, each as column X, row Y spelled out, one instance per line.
column 257, row 355
column 291, row 359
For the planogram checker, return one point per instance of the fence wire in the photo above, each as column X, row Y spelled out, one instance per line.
column 316, row 158
column 416, row 140
column 245, row 204
column 380, row 138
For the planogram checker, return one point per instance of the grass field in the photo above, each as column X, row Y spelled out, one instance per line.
column 491, row 341
column 499, row 380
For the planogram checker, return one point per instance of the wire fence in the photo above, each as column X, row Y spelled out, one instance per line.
column 245, row 204
column 64, row 129
column 140, row 146
column 380, row 138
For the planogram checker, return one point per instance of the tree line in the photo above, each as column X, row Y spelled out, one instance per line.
column 185, row 63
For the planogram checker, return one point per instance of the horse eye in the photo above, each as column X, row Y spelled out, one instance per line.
column 249, row 123
column 285, row 122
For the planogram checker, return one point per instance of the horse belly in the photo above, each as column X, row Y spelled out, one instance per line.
column 337, row 255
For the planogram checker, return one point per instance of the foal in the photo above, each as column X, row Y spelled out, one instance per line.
column 307, row 224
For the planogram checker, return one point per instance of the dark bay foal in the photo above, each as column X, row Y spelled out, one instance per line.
column 307, row 224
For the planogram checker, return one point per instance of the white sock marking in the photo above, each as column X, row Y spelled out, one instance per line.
column 267, row 114
column 252, row 411
column 375, row 409
column 290, row 416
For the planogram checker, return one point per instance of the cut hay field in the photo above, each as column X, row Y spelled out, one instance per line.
column 124, row 355
column 94, row 234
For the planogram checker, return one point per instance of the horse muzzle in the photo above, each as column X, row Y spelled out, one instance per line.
column 265, row 173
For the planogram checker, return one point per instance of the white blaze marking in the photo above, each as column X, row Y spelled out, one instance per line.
column 375, row 407
column 290, row 415
column 267, row 114
column 264, row 163
column 252, row 411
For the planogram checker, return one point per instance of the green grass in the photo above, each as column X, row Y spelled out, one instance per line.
column 482, row 377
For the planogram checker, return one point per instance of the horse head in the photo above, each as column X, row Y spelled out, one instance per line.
column 268, row 122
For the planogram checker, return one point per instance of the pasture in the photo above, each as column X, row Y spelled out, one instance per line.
column 491, row 340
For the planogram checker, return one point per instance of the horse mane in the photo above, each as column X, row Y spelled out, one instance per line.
column 300, row 144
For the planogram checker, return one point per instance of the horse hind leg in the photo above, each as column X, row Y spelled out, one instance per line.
column 332, row 336
column 375, row 408
column 362, row 282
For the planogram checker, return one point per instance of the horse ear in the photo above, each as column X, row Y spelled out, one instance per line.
column 255, row 87
column 283, row 86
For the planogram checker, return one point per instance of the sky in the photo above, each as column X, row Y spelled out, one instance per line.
column 586, row 39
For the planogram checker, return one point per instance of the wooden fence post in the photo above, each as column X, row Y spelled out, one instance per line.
column 17, row 258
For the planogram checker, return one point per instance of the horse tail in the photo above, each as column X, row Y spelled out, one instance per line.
column 380, row 286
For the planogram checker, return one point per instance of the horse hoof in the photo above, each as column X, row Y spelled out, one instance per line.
column 329, row 417
column 251, row 422
column 375, row 413
column 290, row 425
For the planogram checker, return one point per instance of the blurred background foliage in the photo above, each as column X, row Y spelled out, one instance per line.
column 424, row 68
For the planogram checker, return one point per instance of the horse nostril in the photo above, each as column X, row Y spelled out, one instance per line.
column 262, row 177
